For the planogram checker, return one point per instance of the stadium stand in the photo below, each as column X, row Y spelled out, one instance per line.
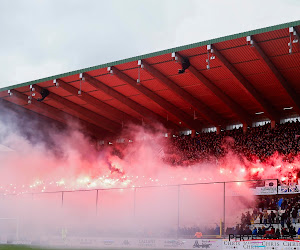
column 259, row 143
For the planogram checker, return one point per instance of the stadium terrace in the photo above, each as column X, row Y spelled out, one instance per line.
column 190, row 147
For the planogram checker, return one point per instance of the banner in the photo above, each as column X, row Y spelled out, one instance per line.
column 148, row 243
column 262, row 244
column 294, row 189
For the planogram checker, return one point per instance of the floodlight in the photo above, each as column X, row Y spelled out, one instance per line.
column 174, row 57
column 56, row 84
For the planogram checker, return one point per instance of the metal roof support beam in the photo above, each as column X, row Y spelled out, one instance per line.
column 267, row 107
column 206, row 112
column 184, row 117
column 238, row 110
column 95, row 118
column 102, row 106
column 58, row 115
column 284, row 83
column 6, row 105
column 144, row 112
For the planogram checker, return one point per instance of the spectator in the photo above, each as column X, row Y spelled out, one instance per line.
column 272, row 217
column 277, row 233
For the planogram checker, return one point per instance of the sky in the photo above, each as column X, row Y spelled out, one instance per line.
column 49, row 37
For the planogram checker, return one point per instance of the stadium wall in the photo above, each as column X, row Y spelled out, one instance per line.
column 128, row 243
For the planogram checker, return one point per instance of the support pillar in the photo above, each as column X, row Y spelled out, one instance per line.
column 218, row 130
column 245, row 128
column 273, row 123
column 193, row 133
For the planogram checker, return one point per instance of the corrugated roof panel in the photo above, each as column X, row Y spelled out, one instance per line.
column 287, row 61
column 110, row 80
column 127, row 65
column 167, row 68
column 239, row 54
column 15, row 100
column 196, row 116
column 78, row 115
column 53, row 103
column 46, row 84
column 71, row 78
column 216, row 73
column 270, row 88
column 173, row 98
column 127, row 90
column 208, row 98
column 265, row 79
column 97, row 72
column 199, row 62
column 271, row 35
column 34, row 109
column 148, row 103
column 275, row 47
column 133, row 73
column 117, row 104
column 292, row 76
column 85, row 86
column 251, row 67
column 76, row 100
column 23, row 89
column 100, row 95
column 234, row 90
column 231, row 43
column 3, row 93
column 153, row 85
column 59, row 91
column 193, row 51
column 102, row 112
column 198, row 90
column 184, row 80
column 159, row 59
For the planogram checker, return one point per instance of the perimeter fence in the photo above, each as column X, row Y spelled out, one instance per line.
column 152, row 211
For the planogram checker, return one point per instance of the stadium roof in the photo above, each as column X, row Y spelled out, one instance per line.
column 239, row 78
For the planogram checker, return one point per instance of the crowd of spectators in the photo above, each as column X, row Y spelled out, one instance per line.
column 258, row 143
column 271, row 212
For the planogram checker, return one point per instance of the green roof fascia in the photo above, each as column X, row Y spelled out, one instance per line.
column 158, row 53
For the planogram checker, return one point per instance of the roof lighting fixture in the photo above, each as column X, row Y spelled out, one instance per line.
column 140, row 66
column 56, row 84
column 110, row 70
column 174, row 57
column 287, row 108
column 249, row 40
column 32, row 89
column 210, row 55
column 81, row 79
column 29, row 99
column 259, row 113
column 293, row 33
column 9, row 92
